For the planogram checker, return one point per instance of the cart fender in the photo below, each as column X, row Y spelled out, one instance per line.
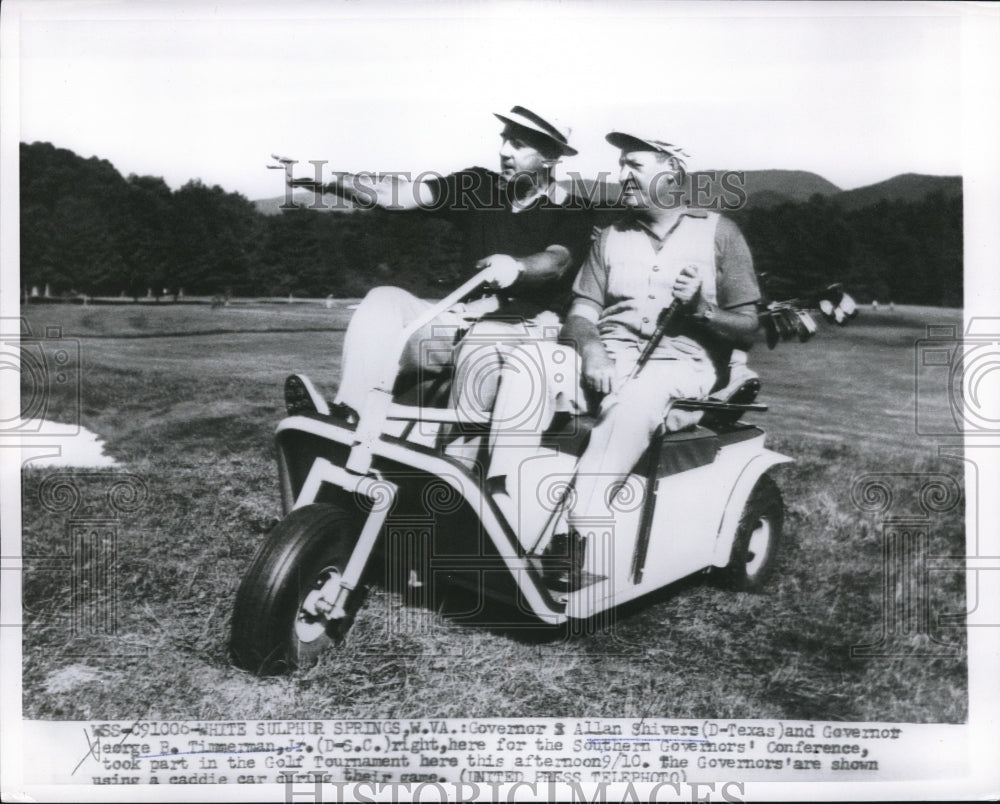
column 322, row 470
column 738, row 497
column 302, row 424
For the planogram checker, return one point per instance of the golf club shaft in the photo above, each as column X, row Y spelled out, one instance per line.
column 663, row 322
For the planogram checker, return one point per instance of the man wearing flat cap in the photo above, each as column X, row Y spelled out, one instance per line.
column 661, row 250
column 517, row 222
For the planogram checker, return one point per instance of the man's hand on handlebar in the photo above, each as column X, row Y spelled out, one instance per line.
column 501, row 271
column 476, row 309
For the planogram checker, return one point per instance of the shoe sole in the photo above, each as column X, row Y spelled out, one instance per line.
column 301, row 396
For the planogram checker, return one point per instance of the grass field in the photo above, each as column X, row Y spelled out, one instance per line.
column 193, row 415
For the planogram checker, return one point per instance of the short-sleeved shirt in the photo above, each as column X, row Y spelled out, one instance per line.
column 629, row 302
column 479, row 204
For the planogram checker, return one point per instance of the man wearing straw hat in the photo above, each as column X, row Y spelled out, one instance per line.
column 661, row 251
column 518, row 223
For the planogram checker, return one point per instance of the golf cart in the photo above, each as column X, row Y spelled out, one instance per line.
column 360, row 496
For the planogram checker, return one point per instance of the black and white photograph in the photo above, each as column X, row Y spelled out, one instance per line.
column 467, row 401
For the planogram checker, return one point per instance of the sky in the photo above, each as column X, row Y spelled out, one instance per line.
column 854, row 92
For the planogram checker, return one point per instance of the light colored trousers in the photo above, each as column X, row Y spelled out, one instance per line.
column 370, row 347
column 542, row 378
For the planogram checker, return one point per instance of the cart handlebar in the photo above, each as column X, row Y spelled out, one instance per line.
column 474, row 283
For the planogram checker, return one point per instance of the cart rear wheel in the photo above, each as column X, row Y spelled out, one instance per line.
column 280, row 617
column 757, row 544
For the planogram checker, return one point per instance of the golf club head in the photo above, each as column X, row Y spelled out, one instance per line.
column 848, row 305
column 834, row 293
column 781, row 326
column 791, row 320
column 806, row 326
column 771, row 336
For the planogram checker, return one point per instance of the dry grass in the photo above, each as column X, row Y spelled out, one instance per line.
column 193, row 416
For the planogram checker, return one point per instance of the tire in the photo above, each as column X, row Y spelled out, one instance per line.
column 273, row 630
column 757, row 544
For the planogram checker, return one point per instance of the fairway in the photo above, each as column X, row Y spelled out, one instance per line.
column 192, row 415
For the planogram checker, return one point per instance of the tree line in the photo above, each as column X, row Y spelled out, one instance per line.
column 909, row 252
column 87, row 229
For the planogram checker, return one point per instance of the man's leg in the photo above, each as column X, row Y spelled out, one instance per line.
column 627, row 421
column 741, row 376
column 372, row 333
column 536, row 380
column 481, row 355
column 479, row 359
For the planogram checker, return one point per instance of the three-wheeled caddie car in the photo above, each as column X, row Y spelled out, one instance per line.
column 698, row 501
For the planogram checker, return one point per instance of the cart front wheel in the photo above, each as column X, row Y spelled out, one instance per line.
column 756, row 546
column 283, row 615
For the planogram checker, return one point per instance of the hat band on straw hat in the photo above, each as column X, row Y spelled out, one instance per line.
column 631, row 142
column 529, row 121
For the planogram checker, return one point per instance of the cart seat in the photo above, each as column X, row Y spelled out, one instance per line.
column 433, row 392
column 674, row 452
column 689, row 448
column 678, row 451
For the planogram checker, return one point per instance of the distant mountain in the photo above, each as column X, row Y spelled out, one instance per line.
column 791, row 185
column 767, row 198
column 750, row 188
column 768, row 188
column 305, row 198
column 906, row 187
column 86, row 228
column 754, row 187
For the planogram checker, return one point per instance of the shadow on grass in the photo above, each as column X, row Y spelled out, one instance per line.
column 464, row 608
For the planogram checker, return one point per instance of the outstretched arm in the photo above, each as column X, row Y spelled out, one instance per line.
column 386, row 190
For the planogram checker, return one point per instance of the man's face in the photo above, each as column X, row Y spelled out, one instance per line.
column 646, row 181
column 518, row 157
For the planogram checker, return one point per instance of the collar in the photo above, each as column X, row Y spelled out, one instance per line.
column 552, row 191
column 638, row 222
